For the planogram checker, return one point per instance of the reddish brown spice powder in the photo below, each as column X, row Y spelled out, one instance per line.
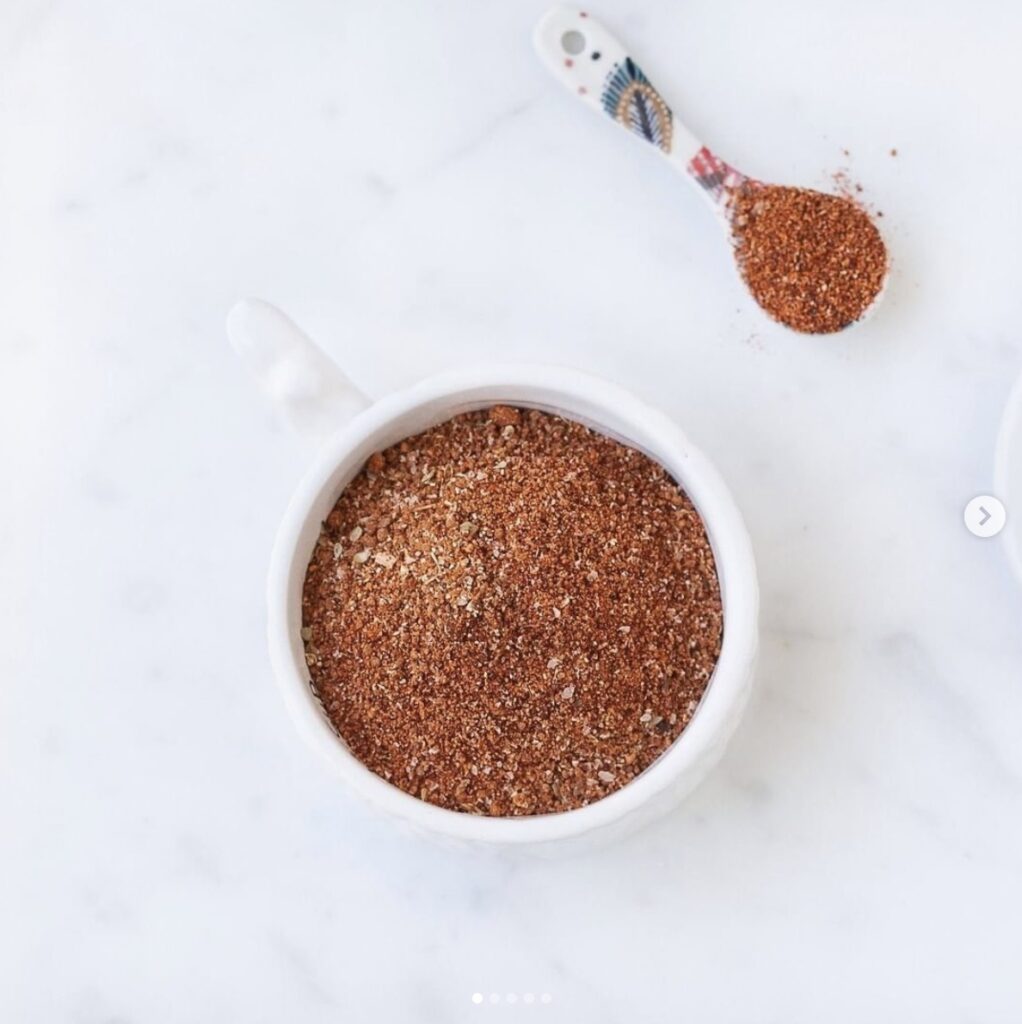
column 511, row 614
column 813, row 261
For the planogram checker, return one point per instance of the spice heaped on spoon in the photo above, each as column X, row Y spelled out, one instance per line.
column 814, row 262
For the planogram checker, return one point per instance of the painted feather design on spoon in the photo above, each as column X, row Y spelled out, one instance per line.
column 629, row 98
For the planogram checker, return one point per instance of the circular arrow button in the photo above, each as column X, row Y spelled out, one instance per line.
column 985, row 516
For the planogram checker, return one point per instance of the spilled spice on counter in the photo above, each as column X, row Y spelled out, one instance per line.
column 813, row 261
column 511, row 614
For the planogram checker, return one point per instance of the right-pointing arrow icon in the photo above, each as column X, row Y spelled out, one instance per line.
column 985, row 516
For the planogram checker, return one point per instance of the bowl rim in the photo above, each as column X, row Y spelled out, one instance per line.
column 691, row 754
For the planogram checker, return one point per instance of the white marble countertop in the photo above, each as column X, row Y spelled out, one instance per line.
column 409, row 184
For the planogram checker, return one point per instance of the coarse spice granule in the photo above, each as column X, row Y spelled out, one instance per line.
column 813, row 261
column 511, row 614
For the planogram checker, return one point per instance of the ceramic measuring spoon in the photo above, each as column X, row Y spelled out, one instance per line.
column 584, row 56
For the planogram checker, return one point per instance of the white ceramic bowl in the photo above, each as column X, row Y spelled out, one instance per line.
column 1008, row 476
column 319, row 399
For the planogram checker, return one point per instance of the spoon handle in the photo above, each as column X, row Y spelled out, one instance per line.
column 584, row 56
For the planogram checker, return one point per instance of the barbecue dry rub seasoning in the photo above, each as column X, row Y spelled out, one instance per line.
column 815, row 262
column 510, row 614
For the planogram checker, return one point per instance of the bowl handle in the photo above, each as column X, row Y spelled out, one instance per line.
column 296, row 375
